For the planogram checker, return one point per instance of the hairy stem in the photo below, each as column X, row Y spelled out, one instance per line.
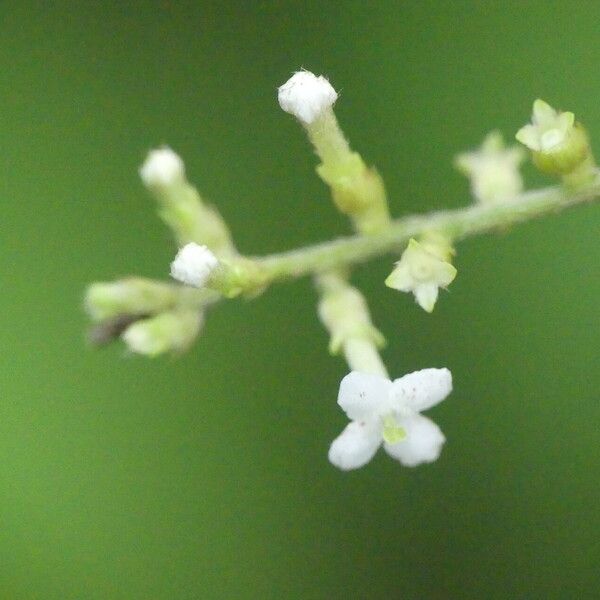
column 457, row 224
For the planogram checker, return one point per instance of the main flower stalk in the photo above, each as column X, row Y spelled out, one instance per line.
column 458, row 224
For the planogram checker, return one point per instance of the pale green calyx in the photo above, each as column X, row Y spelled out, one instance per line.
column 358, row 191
column 422, row 269
column 130, row 296
column 238, row 275
column 345, row 314
column 172, row 331
column 493, row 170
column 559, row 145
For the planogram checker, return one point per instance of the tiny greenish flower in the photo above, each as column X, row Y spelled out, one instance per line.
column 385, row 412
column 548, row 129
column 493, row 170
column 558, row 144
column 422, row 269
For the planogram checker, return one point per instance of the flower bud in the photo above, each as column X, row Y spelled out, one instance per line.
column 172, row 331
column 357, row 190
column 306, row 96
column 345, row 314
column 162, row 168
column 131, row 296
column 193, row 265
column 180, row 205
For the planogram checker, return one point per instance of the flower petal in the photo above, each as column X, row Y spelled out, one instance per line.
column 444, row 273
column 423, row 442
column 364, row 395
column 543, row 114
column 529, row 136
column 355, row 446
column 493, row 143
column 565, row 121
column 426, row 295
column 422, row 389
column 400, row 278
column 466, row 162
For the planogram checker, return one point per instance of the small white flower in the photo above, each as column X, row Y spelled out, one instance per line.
column 493, row 169
column 422, row 271
column 548, row 128
column 387, row 412
column 162, row 168
column 193, row 265
column 306, row 96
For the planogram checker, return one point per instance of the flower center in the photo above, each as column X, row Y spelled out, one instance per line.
column 392, row 432
column 422, row 271
column 551, row 138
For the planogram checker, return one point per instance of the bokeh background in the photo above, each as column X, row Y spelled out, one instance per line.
column 206, row 476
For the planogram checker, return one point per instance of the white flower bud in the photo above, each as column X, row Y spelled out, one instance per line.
column 162, row 168
column 193, row 265
column 306, row 96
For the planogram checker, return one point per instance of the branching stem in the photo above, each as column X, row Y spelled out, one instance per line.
column 457, row 224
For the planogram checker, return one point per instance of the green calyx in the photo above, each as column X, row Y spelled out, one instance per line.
column 566, row 156
column 238, row 276
column 358, row 191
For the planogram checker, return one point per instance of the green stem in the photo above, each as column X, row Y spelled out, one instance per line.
column 344, row 313
column 362, row 355
column 456, row 224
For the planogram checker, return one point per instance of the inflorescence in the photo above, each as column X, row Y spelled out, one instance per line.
column 154, row 318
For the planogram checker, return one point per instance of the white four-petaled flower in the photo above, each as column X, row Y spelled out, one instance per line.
column 306, row 96
column 388, row 412
column 193, row 265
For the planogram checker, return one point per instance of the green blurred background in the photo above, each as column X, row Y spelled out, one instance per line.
column 206, row 476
